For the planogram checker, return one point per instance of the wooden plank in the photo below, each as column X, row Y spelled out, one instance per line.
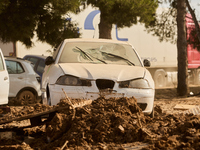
column 6, row 135
column 87, row 102
column 184, row 107
column 30, row 116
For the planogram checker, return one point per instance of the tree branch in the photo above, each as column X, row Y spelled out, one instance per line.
column 194, row 19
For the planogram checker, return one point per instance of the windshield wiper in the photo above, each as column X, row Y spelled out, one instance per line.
column 99, row 59
column 84, row 53
column 89, row 55
column 128, row 61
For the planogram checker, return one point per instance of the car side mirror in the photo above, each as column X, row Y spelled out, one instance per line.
column 49, row 60
column 146, row 63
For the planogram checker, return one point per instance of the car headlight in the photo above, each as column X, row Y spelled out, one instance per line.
column 136, row 83
column 73, row 81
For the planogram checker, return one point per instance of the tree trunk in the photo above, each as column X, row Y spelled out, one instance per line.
column 194, row 19
column 182, row 88
column 14, row 49
column 104, row 28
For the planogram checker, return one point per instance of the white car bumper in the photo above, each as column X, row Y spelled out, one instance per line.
column 144, row 97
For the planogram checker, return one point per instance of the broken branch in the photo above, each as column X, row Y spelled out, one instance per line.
column 64, row 145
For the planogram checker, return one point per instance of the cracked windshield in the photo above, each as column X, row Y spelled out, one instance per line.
column 107, row 53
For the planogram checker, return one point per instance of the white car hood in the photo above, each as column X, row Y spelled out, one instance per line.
column 103, row 71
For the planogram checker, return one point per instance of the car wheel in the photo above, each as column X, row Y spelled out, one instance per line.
column 26, row 97
column 160, row 78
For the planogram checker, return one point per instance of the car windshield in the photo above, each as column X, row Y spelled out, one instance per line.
column 99, row 52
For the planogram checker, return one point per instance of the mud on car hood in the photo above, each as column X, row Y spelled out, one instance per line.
column 103, row 71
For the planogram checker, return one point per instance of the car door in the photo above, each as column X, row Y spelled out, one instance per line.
column 17, row 77
column 4, row 81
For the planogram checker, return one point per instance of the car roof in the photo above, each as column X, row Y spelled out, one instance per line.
column 95, row 40
column 16, row 59
column 13, row 58
column 37, row 56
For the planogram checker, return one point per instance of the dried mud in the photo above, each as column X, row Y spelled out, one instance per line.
column 108, row 124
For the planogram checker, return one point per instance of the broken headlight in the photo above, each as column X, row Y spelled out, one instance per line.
column 136, row 83
column 73, row 81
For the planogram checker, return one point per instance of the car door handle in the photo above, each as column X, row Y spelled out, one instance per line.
column 5, row 78
column 20, row 77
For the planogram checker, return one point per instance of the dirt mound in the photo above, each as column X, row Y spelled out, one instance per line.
column 176, row 131
column 104, row 121
column 107, row 124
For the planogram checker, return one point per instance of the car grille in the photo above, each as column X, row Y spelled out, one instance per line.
column 105, row 84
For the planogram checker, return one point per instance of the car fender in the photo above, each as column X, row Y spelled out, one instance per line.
column 55, row 71
column 148, row 77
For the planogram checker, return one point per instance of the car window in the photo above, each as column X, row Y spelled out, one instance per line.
column 14, row 67
column 33, row 60
column 40, row 67
column 1, row 63
column 99, row 52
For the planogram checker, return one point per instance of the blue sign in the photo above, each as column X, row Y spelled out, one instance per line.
column 88, row 25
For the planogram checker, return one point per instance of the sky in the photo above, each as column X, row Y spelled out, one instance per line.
column 195, row 4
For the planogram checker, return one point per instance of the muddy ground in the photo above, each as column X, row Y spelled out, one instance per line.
column 108, row 124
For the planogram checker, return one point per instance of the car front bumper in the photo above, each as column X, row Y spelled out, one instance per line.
column 145, row 97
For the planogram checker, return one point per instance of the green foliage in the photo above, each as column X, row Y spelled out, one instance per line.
column 55, row 35
column 193, row 39
column 21, row 19
column 126, row 12
column 165, row 26
column 3, row 5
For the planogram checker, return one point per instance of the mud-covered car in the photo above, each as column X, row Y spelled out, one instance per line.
column 90, row 68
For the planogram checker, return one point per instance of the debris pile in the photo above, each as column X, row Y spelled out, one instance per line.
column 108, row 124
column 104, row 121
column 177, row 131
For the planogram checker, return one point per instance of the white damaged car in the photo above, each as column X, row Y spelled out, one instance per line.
column 90, row 68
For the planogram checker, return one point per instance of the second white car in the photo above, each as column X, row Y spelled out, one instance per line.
column 24, row 81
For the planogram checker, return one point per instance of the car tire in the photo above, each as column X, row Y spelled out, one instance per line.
column 160, row 78
column 26, row 97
